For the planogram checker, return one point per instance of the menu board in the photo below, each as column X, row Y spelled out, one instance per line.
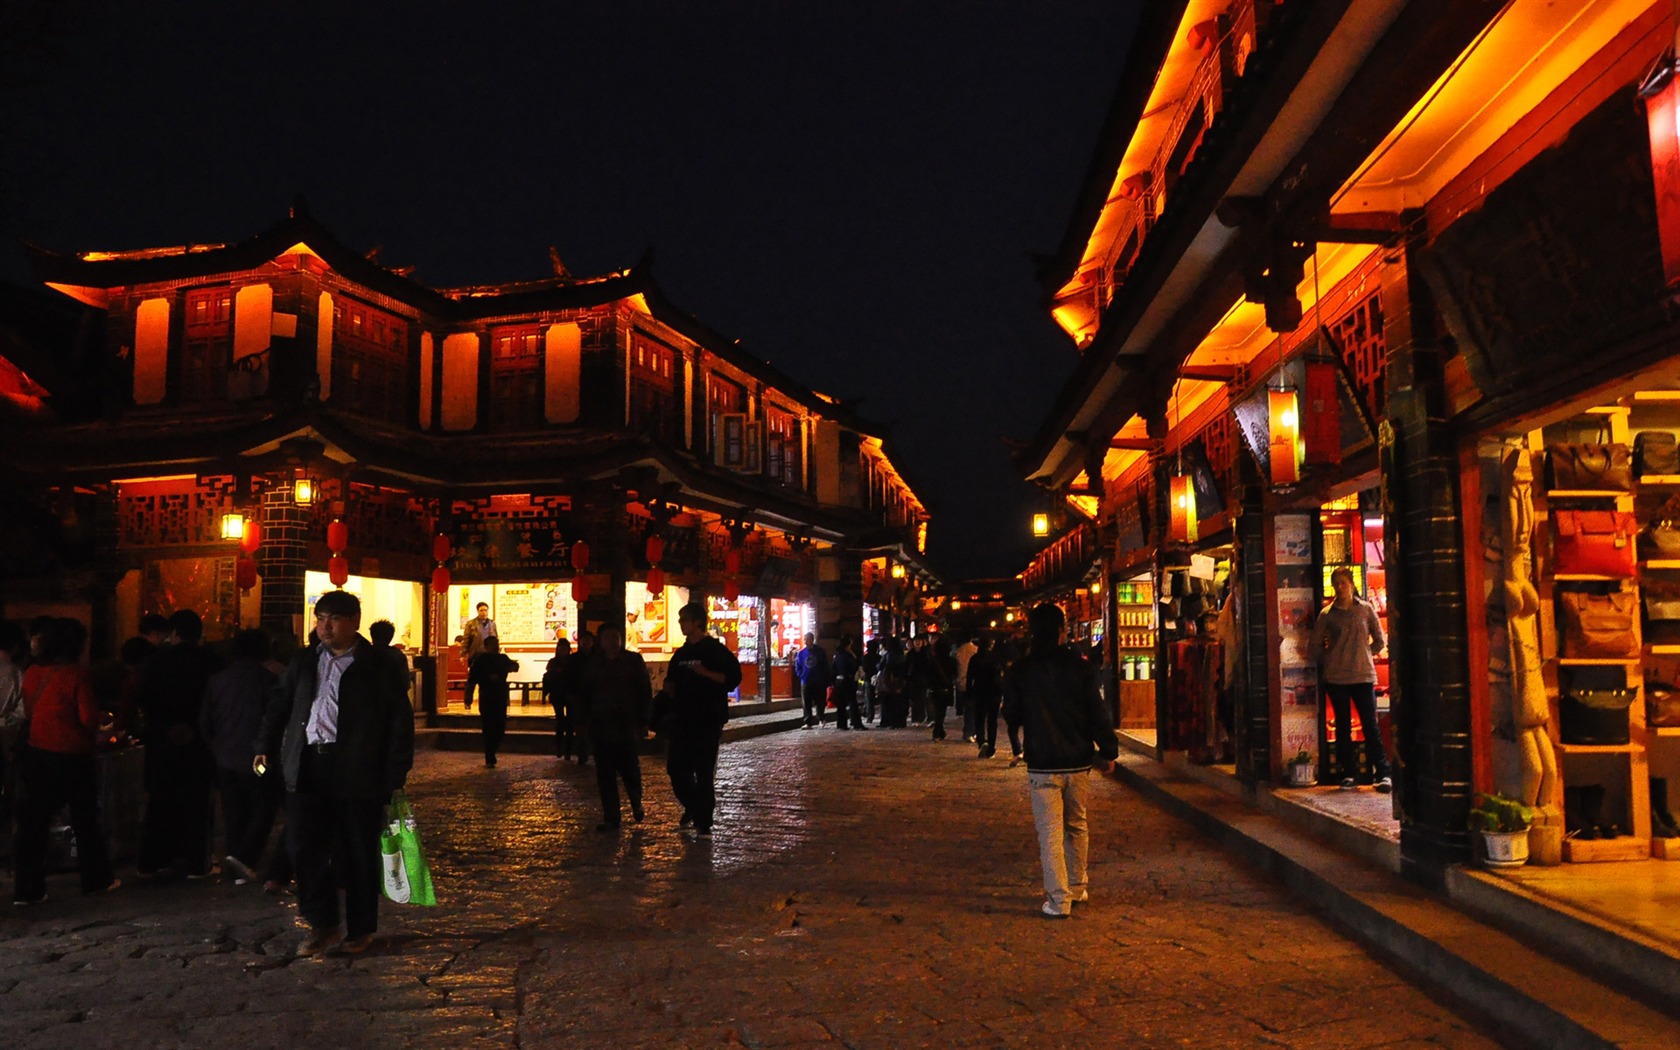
column 532, row 613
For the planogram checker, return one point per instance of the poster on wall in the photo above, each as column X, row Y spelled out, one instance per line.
column 1295, row 614
column 1292, row 539
column 1298, row 713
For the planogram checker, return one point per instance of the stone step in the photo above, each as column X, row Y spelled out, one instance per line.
column 1515, row 974
column 536, row 736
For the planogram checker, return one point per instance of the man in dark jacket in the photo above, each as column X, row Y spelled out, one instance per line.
column 616, row 697
column 811, row 667
column 703, row 672
column 985, row 693
column 179, row 770
column 1053, row 693
column 340, row 720
column 233, row 709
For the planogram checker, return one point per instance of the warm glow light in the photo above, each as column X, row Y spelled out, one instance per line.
column 303, row 492
column 233, row 526
column 1041, row 524
column 1182, row 525
column 897, row 572
column 1009, row 617
column 1096, row 586
column 956, row 603
column 1284, row 418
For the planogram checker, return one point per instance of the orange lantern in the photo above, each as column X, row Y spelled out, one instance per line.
column 440, row 580
column 251, row 537
column 580, row 589
column 580, row 555
column 441, row 548
column 245, row 573
column 338, row 536
column 1321, row 427
column 1284, row 427
column 338, row 570
column 655, row 549
column 1181, row 526
column 731, row 590
column 656, row 580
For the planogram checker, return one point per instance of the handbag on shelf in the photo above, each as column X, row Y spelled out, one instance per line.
column 1655, row 452
column 1662, row 691
column 1662, row 599
column 1594, row 716
column 1599, row 626
column 1595, row 467
column 1594, row 543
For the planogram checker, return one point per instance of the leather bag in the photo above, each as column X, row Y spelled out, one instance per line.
column 1661, row 539
column 1595, row 543
column 1662, row 599
column 1662, row 691
column 1599, row 626
column 1594, row 716
column 1656, row 452
column 1599, row 468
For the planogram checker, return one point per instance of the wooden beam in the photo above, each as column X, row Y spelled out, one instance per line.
column 1142, row 444
column 1209, row 373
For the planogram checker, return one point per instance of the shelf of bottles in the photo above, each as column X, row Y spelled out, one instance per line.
column 1134, row 629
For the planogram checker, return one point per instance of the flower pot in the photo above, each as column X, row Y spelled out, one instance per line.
column 1505, row 849
column 1302, row 774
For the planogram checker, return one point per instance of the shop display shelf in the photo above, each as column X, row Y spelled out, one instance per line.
column 1665, row 849
column 1663, row 650
column 1659, row 480
column 1665, row 732
column 1587, row 576
column 1624, row 848
column 1582, row 661
column 1661, row 563
column 1599, row 749
column 1586, row 493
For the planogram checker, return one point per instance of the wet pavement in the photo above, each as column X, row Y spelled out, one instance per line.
column 862, row 890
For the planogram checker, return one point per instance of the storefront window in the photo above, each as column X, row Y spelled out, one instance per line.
column 400, row 601
column 650, row 619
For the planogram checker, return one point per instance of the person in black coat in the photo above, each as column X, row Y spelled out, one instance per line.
column 340, row 721
column 488, row 674
column 617, row 696
column 703, row 673
column 985, row 694
column 178, row 768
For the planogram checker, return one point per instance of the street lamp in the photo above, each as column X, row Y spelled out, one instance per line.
column 303, row 491
column 897, row 571
column 233, row 525
column 1041, row 524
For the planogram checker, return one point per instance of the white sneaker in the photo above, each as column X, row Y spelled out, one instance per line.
column 1349, row 784
column 1385, row 785
column 1049, row 911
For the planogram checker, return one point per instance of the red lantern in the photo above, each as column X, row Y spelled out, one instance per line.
column 245, row 573
column 441, row 549
column 732, row 561
column 440, row 580
column 1321, row 414
column 338, row 536
column 731, row 590
column 251, row 538
column 580, row 555
column 580, row 589
column 338, row 570
column 656, row 580
column 655, row 549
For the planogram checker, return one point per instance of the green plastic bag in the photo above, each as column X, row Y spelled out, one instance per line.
column 407, row 879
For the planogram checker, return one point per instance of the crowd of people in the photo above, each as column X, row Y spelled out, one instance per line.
column 335, row 718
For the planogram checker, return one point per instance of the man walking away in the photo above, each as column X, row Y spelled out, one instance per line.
column 846, row 685
column 703, row 673
column 811, row 667
column 232, row 715
column 941, row 666
column 985, row 694
column 340, row 721
column 488, row 674
column 1053, row 693
column 179, row 770
column 617, row 696
column 965, row 706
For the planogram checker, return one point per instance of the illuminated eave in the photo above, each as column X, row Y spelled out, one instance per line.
column 98, row 298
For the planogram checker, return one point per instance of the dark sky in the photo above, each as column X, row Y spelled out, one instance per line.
column 852, row 188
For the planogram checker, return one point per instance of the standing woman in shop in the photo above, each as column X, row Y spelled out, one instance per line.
column 1347, row 638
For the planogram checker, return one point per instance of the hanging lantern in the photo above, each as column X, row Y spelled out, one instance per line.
column 731, row 590
column 732, row 561
column 441, row 548
column 1284, row 429
column 1181, row 527
column 251, row 538
column 303, row 491
column 245, row 573
column 656, row 580
column 338, row 536
column 655, row 549
column 1321, row 427
column 580, row 555
column 580, row 589
column 338, row 570
column 440, row 580
column 233, row 525
column 1041, row 524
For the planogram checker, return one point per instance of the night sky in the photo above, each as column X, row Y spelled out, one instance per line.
column 853, row 189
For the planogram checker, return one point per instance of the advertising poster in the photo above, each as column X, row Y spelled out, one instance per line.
column 1298, row 714
column 1292, row 539
column 1295, row 614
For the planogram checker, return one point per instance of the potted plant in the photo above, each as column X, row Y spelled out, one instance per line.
column 1303, row 770
column 1503, row 822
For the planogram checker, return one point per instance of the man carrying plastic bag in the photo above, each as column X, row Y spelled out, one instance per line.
column 408, row 880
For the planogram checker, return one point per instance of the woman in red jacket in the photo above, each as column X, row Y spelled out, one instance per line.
column 57, row 765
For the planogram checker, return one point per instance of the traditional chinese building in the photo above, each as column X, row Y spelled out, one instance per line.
column 267, row 419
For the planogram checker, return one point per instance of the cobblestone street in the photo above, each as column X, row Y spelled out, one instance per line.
column 863, row 890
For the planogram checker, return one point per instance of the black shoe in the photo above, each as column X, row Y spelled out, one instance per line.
column 860, row 727
column 607, row 827
column 636, row 813
column 685, row 821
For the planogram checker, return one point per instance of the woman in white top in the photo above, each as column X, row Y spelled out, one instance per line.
column 1346, row 639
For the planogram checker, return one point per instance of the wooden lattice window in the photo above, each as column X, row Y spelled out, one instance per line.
column 207, row 349
column 370, row 373
column 653, row 389
column 785, row 451
column 516, row 390
column 1359, row 335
